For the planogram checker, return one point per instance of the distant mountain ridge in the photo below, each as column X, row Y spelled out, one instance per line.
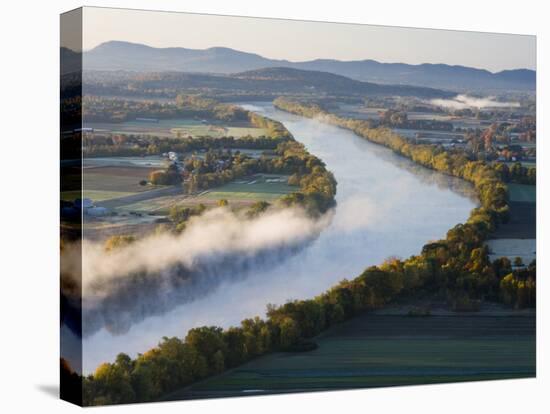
column 118, row 55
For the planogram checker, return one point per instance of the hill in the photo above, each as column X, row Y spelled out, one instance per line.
column 117, row 55
column 266, row 83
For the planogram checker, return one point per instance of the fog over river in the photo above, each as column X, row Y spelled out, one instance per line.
column 386, row 206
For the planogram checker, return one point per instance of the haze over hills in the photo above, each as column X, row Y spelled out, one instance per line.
column 267, row 82
column 117, row 55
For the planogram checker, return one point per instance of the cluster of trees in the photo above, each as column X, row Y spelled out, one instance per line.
column 169, row 176
column 317, row 186
column 518, row 288
column 118, row 241
column 179, row 216
column 115, row 110
column 98, row 109
column 175, row 363
column 121, row 145
column 399, row 119
column 517, row 173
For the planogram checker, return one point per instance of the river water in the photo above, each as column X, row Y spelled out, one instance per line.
column 386, row 206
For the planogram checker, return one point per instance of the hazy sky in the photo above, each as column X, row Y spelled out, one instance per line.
column 298, row 40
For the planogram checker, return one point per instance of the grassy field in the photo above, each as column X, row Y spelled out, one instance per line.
column 159, row 205
column 522, row 193
column 110, row 182
column 216, row 131
column 259, row 187
column 175, row 128
column 376, row 351
column 239, row 193
column 107, row 183
column 149, row 161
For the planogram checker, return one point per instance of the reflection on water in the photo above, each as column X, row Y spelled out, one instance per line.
column 387, row 206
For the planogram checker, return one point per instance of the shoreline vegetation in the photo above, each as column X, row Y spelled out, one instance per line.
column 316, row 185
column 455, row 269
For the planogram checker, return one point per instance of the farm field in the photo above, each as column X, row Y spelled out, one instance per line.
column 522, row 223
column 176, row 128
column 512, row 248
column 438, row 135
column 522, row 193
column 158, row 205
column 380, row 350
column 359, row 111
column 129, row 224
column 107, row 183
column 259, row 187
column 151, row 161
column 239, row 193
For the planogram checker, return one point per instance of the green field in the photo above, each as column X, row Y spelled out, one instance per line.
column 240, row 192
column 522, row 193
column 216, row 131
column 159, row 205
column 176, row 128
column 259, row 187
column 381, row 350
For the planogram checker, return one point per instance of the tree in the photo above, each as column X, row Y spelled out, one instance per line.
column 207, row 341
column 289, row 332
column 118, row 242
column 114, row 383
column 257, row 208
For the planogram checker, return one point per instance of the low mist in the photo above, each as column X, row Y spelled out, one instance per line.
column 153, row 275
column 465, row 101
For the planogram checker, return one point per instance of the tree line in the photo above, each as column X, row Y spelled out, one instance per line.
column 124, row 145
column 517, row 173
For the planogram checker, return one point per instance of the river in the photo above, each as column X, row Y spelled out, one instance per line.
column 386, row 206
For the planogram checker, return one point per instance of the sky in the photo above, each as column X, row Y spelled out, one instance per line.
column 301, row 40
